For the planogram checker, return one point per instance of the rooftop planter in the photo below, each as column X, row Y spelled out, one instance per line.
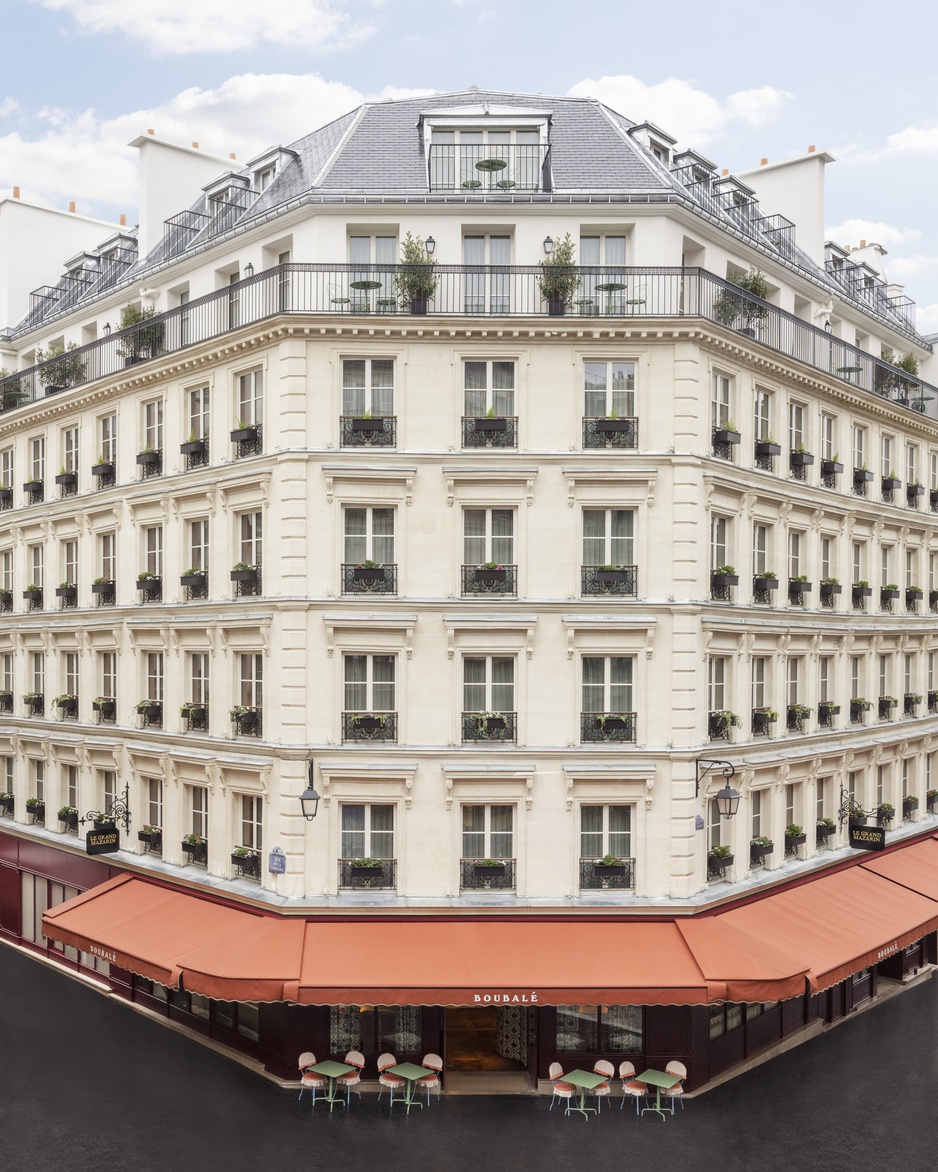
column 142, row 336
column 732, row 307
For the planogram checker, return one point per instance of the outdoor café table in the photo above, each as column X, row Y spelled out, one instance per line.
column 410, row 1072
column 658, row 1079
column 610, row 287
column 331, row 1070
column 365, row 287
column 491, row 167
column 585, row 1080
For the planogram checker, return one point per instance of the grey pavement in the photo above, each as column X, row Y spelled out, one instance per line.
column 86, row 1084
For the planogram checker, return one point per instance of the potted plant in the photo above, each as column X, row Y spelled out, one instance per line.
column 913, row 490
column 245, row 719
column 196, row 847
column 885, row 812
column 798, row 586
column 242, row 572
column 149, row 708
column 801, row 457
column 891, row 482
column 66, row 478
column 105, row 706
column 35, row 703
column 243, row 432
column 931, row 799
column 415, row 279
column 192, row 711
column 825, row 828
column 33, row 594
column 827, row 709
column 67, row 704
column 66, row 590
column 909, row 805
column 370, row 721
column 913, row 594
column 152, row 835
column 730, row 306
column 609, row 865
column 608, row 574
column 722, row 721
column 69, row 815
column 832, row 467
column 759, row 847
column 60, row 368
column 768, row 447
column 794, row 836
column 726, row 434
column 559, row 277
column 612, row 423
column 6, row 802
column 718, row 859
column 489, row 868
column 102, row 586
column 193, row 446
column 365, row 870
column 367, row 422
column 762, row 718
column 102, row 467
column 149, row 456
column 797, row 715
column 491, row 572
column 368, row 571
column 724, row 576
column 611, row 722
column 248, row 860
column 767, row 580
column 861, row 590
column 886, row 705
column 489, row 722
column 144, row 335
column 830, row 587
column 192, row 577
column 36, row 807
column 858, row 707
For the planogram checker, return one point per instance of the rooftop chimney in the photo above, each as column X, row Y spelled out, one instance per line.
column 123, row 220
column 16, row 193
column 811, row 149
column 863, row 244
column 232, row 155
column 151, row 132
column 71, row 205
column 725, row 171
column 195, row 146
column 762, row 162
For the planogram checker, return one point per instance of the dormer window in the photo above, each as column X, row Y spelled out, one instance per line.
column 486, row 150
column 264, row 177
column 661, row 153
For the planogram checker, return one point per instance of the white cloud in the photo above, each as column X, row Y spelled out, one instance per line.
column 926, row 318
column 907, row 266
column 79, row 156
column 689, row 114
column 217, row 26
column 873, row 231
column 914, row 139
column 8, row 106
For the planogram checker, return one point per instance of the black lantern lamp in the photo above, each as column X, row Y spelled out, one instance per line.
column 548, row 245
column 727, row 798
column 248, row 271
column 309, row 799
column 727, row 801
column 430, row 245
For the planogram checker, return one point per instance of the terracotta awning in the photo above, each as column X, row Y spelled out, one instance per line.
column 771, row 949
column 838, row 924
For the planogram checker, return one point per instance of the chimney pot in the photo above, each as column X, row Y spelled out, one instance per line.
column 863, row 244
column 811, row 149
column 725, row 171
column 762, row 162
column 232, row 155
column 123, row 220
column 16, row 193
column 151, row 132
column 71, row 205
column 195, row 146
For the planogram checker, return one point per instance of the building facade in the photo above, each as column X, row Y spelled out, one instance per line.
column 525, row 576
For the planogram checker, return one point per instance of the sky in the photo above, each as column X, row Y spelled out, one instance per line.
column 737, row 82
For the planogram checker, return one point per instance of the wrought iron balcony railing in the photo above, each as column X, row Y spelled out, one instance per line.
column 488, row 168
column 357, row 579
column 369, row 726
column 598, row 728
column 498, row 580
column 497, row 431
column 606, row 432
column 489, row 726
column 357, row 431
column 598, row 876
column 617, row 582
column 498, row 875
column 379, row 875
column 465, row 290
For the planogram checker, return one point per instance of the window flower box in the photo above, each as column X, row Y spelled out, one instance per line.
column 68, row 592
column 765, row 448
column 610, row 426
column 33, row 486
column 859, row 592
column 150, row 709
column 825, row 829
column 762, row 718
column 105, row 707
column 829, row 589
column 194, row 447
column 720, row 580
column 914, row 594
column 610, row 575
column 726, row 435
column 367, row 423
column 885, row 812
column 931, row 800
column 800, row 459
column 104, row 586
column 196, row 847
column 489, row 868
column 794, row 837
column 491, row 574
column 152, row 836
column 69, row 815
column 365, row 871
column 609, row 866
column 33, row 594
column 148, row 459
column 826, row 709
column 909, row 805
column 886, row 705
column 490, row 423
column 720, row 723
column 36, row 807
column 933, row 701
column 759, row 850
column 244, row 573
column 67, row 479
column 196, row 579
column 858, row 708
column 67, row 705
column 719, row 859
column 891, row 483
column 913, row 492
column 7, row 803
column 243, row 435
column 102, row 469
column 368, row 573
column 762, row 584
column 247, row 861
column 831, row 467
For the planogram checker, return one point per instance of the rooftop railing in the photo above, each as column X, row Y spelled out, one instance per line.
column 612, row 295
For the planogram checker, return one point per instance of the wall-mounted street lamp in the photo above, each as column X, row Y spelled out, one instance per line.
column 548, row 245
column 249, row 270
column 107, row 328
column 430, row 245
column 727, row 798
column 309, row 799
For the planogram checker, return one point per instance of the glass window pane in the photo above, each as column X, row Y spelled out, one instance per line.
column 577, row 1029
column 591, row 832
column 594, row 537
column 500, row 837
column 355, row 683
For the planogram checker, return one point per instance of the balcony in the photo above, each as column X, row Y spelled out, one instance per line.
column 195, row 453
column 324, row 289
column 490, row 431
column 486, row 727
column 150, row 463
column 248, row 440
column 369, row 726
column 150, row 587
column 602, row 728
column 609, row 581
column 104, row 590
column 195, row 716
column 367, row 431
column 376, row 875
column 490, row 579
column 610, row 432
column 365, row 579
column 247, row 722
column 68, row 484
column 195, row 584
column 492, row 875
column 488, row 168
column 598, row 876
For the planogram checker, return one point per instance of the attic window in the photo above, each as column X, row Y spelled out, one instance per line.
column 482, row 159
column 661, row 153
column 264, row 177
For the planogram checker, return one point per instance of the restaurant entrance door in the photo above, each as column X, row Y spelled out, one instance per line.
column 488, row 1038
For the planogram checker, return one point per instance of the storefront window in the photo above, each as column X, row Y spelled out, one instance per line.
column 248, row 1020
column 594, row 1028
column 374, row 1029
column 725, row 1017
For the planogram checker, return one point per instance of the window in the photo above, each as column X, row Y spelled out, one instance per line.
column 6, row 674
column 599, row 1029
column 714, row 825
column 68, row 561
column 37, row 662
column 71, row 786
column 932, row 471
column 367, row 831
column 601, row 250
column 107, row 674
column 607, row 683
column 755, row 800
column 154, row 666
column 368, row 251
column 487, row 832
column 908, row 661
column 859, row 448
column 820, row 809
column 153, row 550
column 794, row 555
column 724, row 1017
column 760, row 542
column 7, row 468
column 250, row 403
column 488, row 536
column 153, row 425
column 911, row 464
column 37, row 458
column 198, row 678
column 107, row 434
column 372, row 1030
column 828, row 447
column 716, row 682
column 758, row 681
column 791, row 813
column 720, row 401
column 251, row 680
column 793, row 678
column 39, row 780
column 605, row 830
column 455, row 153
column 108, row 789
column 264, row 177
column 487, row 283
column 36, row 561
column 826, row 547
column 762, row 415
column 198, row 807
column 885, row 566
column 609, row 389
column 198, row 544
column 855, row 671
column 489, row 683
column 795, row 426
column 154, row 797
column 886, row 456
column 858, row 561
column 369, row 683
column 199, row 416
column 107, row 545
column 250, row 531
column 825, row 665
column 252, row 822
column 70, row 672
column 70, row 449
column 880, row 784
column 608, row 537
column 368, row 387
column 718, row 527
column 369, row 535
column 6, row 570
column 489, row 386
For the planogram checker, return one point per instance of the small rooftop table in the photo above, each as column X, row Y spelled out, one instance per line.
column 411, row 1072
column 331, row 1070
column 585, row 1080
column 658, row 1079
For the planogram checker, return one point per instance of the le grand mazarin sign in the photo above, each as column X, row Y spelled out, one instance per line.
column 103, row 842
column 867, row 838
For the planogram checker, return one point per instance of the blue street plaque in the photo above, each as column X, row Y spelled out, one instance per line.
column 699, row 822
column 277, row 861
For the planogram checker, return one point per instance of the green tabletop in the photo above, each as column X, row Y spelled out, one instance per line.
column 409, row 1070
column 610, row 287
column 491, row 165
column 584, row 1078
column 657, row 1078
column 364, row 284
column 330, row 1068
